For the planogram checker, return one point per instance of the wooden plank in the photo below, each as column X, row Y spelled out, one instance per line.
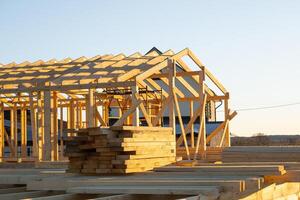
column 136, row 114
column 191, row 103
column 54, row 127
column 2, row 131
column 172, row 122
column 23, row 195
column 116, row 197
column 40, row 125
column 127, row 113
column 174, row 190
column 23, row 133
column 47, row 126
column 181, row 125
column 12, row 190
column 165, row 104
column 33, row 126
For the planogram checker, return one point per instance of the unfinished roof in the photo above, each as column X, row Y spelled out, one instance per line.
column 105, row 71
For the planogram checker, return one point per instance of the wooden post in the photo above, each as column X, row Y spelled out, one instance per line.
column 136, row 113
column 227, row 142
column 33, row 126
column 23, row 132
column 40, row 125
column 2, row 131
column 14, row 131
column 71, row 114
column 171, row 78
column 202, row 117
column 61, row 124
column 54, row 127
column 90, row 109
column 80, row 116
column 192, row 126
column 47, row 126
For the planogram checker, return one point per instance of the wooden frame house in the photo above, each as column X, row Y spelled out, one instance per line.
column 55, row 97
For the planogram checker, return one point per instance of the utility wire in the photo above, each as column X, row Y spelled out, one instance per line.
column 267, row 107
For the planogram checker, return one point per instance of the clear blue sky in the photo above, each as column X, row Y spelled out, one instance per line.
column 253, row 47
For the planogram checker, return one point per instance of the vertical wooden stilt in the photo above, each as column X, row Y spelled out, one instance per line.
column 90, row 115
column 227, row 142
column 202, row 117
column 2, row 131
column 61, row 124
column 136, row 113
column 54, row 127
column 40, row 125
column 33, row 126
column 80, row 116
column 72, row 114
column 171, row 78
column 23, row 132
column 47, row 126
column 192, row 126
column 201, row 140
column 14, row 131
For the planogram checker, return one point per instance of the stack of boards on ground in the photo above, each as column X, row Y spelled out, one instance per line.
column 124, row 149
column 212, row 154
column 261, row 154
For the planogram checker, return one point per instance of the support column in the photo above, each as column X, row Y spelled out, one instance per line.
column 202, row 117
column 90, row 109
column 47, row 126
column 136, row 113
column 14, row 131
column 192, row 126
column 171, row 78
column 33, row 126
column 54, row 127
column 1, row 132
column 23, row 132
column 40, row 126
column 227, row 142
column 71, row 115
column 61, row 124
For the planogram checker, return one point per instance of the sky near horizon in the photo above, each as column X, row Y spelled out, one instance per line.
column 253, row 47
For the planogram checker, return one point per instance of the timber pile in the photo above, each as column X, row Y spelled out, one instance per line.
column 261, row 154
column 120, row 149
column 212, row 154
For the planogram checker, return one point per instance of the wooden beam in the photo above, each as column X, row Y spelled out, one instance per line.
column 181, row 125
column 165, row 104
column 224, row 134
column 33, row 126
column 220, row 127
column 192, row 126
column 100, row 118
column 90, row 109
column 40, row 125
column 23, row 133
column 2, row 132
column 54, row 127
column 47, row 126
column 128, row 112
column 13, row 130
column 143, row 109
column 201, row 133
column 136, row 114
column 172, row 123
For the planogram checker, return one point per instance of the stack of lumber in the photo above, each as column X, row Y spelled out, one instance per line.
column 244, row 170
column 211, row 155
column 261, row 154
column 123, row 149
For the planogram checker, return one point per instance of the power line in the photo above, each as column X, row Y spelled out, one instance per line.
column 266, row 107
column 269, row 107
